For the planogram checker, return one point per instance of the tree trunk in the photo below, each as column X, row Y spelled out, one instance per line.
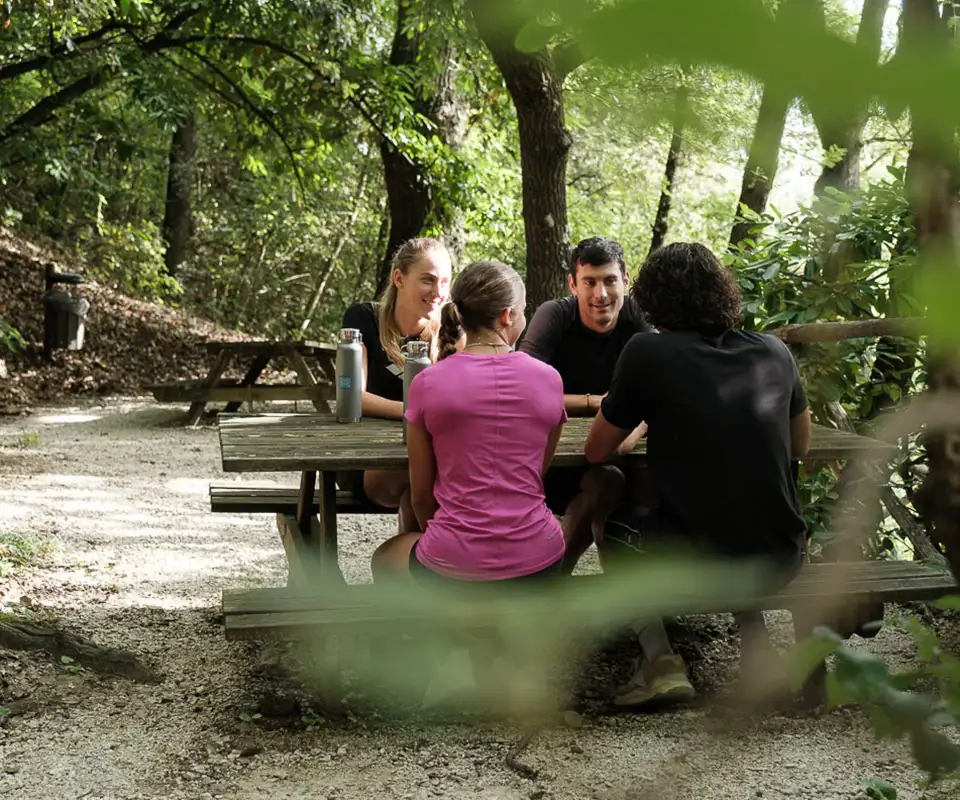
column 670, row 171
column 933, row 192
column 764, row 151
column 177, row 217
column 410, row 195
column 535, row 86
column 762, row 159
column 844, row 175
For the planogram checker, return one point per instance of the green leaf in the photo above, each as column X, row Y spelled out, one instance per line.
column 928, row 643
column 950, row 603
column 939, row 290
column 534, row 37
column 804, row 656
column 4, row 712
column 66, row 660
column 879, row 789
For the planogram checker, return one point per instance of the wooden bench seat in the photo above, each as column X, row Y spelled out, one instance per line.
column 354, row 609
column 227, row 391
column 250, row 498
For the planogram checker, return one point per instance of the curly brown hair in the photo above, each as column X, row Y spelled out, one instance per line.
column 684, row 287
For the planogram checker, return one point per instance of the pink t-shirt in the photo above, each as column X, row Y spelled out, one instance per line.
column 489, row 418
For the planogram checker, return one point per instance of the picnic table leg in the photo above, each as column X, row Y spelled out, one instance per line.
column 307, row 378
column 256, row 368
column 219, row 366
column 328, row 527
column 308, row 482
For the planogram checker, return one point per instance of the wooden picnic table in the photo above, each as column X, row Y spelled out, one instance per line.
column 314, row 363
column 318, row 445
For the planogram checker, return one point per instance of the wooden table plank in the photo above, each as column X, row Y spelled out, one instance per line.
column 298, row 442
column 305, row 347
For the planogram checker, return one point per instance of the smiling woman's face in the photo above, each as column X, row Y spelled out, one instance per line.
column 426, row 285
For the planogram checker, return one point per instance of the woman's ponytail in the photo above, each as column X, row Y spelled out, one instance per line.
column 451, row 329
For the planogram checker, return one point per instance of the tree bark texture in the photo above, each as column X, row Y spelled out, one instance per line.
column 410, row 196
column 535, row 86
column 661, row 222
column 764, row 151
column 844, row 175
column 177, row 217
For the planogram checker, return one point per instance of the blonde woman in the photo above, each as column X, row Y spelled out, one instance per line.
column 408, row 310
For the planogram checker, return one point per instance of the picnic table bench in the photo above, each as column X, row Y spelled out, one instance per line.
column 319, row 599
column 313, row 362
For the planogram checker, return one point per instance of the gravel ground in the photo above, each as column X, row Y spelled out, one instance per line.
column 140, row 561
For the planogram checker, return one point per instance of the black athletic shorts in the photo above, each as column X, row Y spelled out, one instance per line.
column 425, row 576
column 633, row 532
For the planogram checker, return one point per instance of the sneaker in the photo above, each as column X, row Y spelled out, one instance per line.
column 663, row 681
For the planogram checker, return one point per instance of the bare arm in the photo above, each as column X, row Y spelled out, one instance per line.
column 372, row 405
column 606, row 441
column 551, row 450
column 423, row 473
column 582, row 405
column 801, row 433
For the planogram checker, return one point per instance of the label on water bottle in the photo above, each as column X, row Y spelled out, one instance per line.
column 346, row 382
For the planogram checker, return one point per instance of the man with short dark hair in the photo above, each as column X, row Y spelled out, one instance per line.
column 582, row 336
column 727, row 415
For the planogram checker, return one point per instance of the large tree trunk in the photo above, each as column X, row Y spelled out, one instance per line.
column 535, row 85
column 177, row 218
column 764, row 151
column 670, row 171
column 844, row 174
column 933, row 193
column 410, row 195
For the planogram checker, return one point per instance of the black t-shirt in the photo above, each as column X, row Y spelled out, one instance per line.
column 384, row 377
column 718, row 413
column 584, row 358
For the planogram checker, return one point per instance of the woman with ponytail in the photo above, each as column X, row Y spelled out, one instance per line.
column 408, row 310
column 482, row 428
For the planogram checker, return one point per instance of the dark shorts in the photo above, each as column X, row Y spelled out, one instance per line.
column 634, row 532
column 425, row 576
column 561, row 485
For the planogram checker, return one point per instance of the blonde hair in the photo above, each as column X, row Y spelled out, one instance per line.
column 480, row 294
column 408, row 254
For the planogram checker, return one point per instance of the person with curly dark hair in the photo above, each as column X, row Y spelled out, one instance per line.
column 726, row 415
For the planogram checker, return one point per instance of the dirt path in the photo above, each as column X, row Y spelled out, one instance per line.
column 140, row 564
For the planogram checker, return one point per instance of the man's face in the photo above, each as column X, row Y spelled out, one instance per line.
column 599, row 292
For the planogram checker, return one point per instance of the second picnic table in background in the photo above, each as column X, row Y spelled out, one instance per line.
column 313, row 362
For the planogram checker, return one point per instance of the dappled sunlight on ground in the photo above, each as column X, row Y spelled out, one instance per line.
column 140, row 564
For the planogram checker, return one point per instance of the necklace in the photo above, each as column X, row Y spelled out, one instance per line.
column 486, row 344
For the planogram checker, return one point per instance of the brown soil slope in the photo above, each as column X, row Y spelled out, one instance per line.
column 128, row 343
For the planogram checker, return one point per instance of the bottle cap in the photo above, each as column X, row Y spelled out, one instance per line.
column 348, row 335
column 415, row 349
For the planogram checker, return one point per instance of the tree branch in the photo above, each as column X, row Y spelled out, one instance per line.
column 46, row 108
column 43, row 111
column 262, row 115
column 58, row 53
column 809, row 332
column 566, row 58
column 923, row 548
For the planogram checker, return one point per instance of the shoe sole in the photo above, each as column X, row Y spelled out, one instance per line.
column 678, row 694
